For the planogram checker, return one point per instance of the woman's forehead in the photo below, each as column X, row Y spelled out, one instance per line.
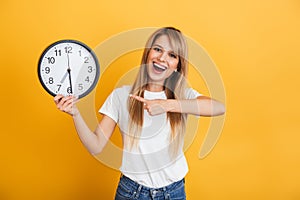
column 164, row 42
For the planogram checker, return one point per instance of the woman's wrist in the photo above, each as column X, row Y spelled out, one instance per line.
column 75, row 112
column 173, row 105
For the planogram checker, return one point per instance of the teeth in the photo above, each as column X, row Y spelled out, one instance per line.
column 159, row 66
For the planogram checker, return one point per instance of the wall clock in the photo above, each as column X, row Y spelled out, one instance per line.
column 68, row 67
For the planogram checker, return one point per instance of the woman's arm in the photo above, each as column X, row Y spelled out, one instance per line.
column 202, row 106
column 93, row 141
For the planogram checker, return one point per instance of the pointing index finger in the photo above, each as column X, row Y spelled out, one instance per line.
column 141, row 99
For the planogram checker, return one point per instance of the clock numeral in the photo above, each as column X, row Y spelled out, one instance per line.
column 57, row 52
column 58, row 87
column 80, row 86
column 86, row 59
column 69, row 90
column 79, row 53
column 47, row 70
column 51, row 60
column 87, row 79
column 50, row 81
column 90, row 69
column 68, row 49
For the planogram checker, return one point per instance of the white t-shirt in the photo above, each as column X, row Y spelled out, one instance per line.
column 149, row 164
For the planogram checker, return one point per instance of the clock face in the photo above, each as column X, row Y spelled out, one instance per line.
column 68, row 67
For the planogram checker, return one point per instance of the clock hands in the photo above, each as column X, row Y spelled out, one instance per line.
column 69, row 72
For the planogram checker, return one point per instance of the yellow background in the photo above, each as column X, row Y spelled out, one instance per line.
column 255, row 45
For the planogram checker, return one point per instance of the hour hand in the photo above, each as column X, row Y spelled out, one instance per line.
column 64, row 77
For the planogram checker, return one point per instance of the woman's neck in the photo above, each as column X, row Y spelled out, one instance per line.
column 155, row 87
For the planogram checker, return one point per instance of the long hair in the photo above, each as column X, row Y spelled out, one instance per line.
column 174, row 87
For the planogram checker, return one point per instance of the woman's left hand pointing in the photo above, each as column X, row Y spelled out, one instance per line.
column 155, row 106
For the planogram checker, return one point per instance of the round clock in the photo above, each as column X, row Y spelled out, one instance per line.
column 68, row 67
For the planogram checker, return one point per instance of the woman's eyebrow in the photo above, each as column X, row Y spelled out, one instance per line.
column 157, row 45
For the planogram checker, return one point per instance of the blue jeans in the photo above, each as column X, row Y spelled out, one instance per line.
column 129, row 189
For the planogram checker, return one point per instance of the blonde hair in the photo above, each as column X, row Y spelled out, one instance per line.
column 174, row 87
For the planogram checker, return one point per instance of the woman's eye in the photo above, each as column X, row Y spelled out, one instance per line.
column 173, row 55
column 157, row 49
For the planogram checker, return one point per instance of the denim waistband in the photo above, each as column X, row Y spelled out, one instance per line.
column 144, row 189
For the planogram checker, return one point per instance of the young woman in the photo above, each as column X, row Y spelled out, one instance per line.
column 151, row 115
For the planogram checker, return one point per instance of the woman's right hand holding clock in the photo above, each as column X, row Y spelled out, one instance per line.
column 66, row 104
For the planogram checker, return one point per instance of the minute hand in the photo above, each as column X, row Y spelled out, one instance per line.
column 70, row 80
column 69, row 71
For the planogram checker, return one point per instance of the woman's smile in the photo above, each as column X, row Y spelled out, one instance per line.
column 159, row 68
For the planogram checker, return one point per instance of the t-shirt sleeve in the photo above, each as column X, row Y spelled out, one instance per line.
column 191, row 93
column 111, row 106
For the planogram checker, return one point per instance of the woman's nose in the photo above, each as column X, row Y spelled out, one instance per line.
column 163, row 56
